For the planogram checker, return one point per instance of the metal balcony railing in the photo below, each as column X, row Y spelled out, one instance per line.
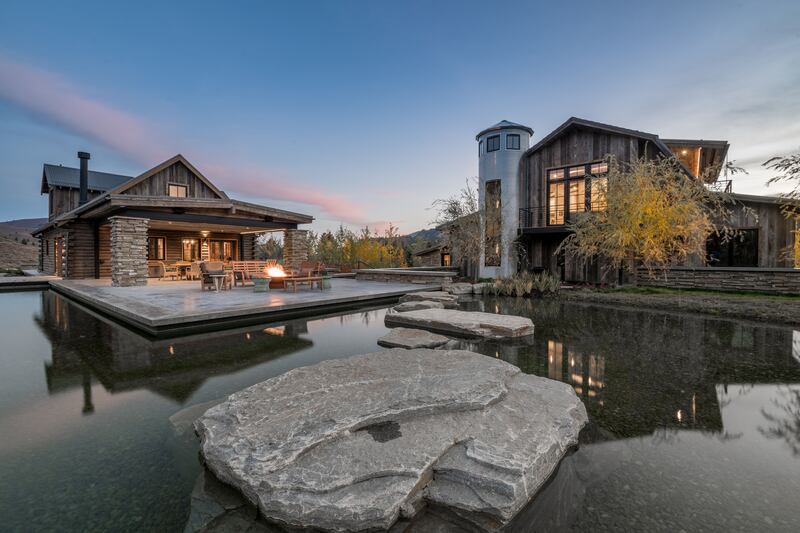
column 721, row 185
column 539, row 217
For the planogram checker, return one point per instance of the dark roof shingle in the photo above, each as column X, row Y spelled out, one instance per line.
column 58, row 176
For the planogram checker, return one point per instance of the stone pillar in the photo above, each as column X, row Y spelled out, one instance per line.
column 128, row 251
column 295, row 247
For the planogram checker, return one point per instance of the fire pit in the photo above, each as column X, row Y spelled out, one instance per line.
column 277, row 276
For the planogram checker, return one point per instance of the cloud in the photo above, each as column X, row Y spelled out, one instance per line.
column 53, row 99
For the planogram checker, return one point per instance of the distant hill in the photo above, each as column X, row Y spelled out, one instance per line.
column 18, row 249
column 419, row 240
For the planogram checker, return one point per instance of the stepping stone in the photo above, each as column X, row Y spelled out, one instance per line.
column 415, row 305
column 463, row 323
column 357, row 443
column 446, row 299
column 460, row 288
column 411, row 338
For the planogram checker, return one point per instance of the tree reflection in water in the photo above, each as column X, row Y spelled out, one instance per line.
column 787, row 425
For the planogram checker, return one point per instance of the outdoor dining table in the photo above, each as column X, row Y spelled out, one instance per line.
column 183, row 267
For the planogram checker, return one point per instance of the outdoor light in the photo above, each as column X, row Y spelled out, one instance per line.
column 684, row 152
column 171, row 350
column 679, row 414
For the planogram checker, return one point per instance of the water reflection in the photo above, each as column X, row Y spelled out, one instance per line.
column 86, row 347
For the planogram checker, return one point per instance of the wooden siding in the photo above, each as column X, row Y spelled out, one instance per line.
column 80, row 251
column 178, row 174
column 104, row 250
column 47, row 250
column 62, row 200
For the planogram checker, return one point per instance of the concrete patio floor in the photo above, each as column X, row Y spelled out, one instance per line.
column 180, row 306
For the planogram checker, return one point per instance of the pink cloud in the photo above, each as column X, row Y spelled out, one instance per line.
column 56, row 100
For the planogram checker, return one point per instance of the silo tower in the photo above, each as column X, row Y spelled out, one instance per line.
column 500, row 148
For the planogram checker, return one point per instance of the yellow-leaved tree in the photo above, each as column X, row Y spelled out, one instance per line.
column 655, row 215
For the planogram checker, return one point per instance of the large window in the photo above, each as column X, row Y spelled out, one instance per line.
column 191, row 250
column 493, row 143
column 568, row 188
column 219, row 250
column 176, row 191
column 492, row 224
column 156, row 248
column 741, row 250
column 512, row 141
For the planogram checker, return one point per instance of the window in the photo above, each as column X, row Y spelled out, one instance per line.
column 493, row 143
column 575, row 172
column 556, row 203
column 156, row 247
column 598, row 168
column 741, row 250
column 557, row 174
column 512, row 141
column 222, row 250
column 47, row 247
column 577, row 196
column 176, row 191
column 191, row 250
column 446, row 260
column 492, row 223
column 599, row 187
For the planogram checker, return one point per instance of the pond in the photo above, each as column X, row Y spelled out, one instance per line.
column 694, row 421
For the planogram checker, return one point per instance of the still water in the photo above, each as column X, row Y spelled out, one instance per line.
column 695, row 421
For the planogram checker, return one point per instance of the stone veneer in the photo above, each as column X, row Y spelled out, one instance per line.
column 128, row 251
column 295, row 247
column 770, row 280
column 407, row 275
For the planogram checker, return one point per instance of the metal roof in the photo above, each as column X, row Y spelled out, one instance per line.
column 58, row 176
column 505, row 125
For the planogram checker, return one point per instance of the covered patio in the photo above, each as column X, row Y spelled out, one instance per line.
column 178, row 307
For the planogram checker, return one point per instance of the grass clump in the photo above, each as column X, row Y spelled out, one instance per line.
column 526, row 284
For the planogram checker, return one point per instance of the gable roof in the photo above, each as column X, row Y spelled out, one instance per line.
column 504, row 125
column 599, row 126
column 166, row 164
column 58, row 176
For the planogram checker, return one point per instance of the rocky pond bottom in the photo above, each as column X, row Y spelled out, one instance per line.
column 360, row 442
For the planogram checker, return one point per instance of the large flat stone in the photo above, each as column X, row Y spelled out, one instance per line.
column 445, row 298
column 459, row 288
column 357, row 443
column 416, row 305
column 464, row 323
column 411, row 338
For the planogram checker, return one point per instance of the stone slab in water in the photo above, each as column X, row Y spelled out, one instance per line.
column 465, row 323
column 416, row 305
column 357, row 443
column 445, row 298
column 412, row 338
column 459, row 288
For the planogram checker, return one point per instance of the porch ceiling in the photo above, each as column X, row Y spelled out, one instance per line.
column 193, row 227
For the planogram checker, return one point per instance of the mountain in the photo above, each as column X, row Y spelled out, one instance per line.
column 18, row 249
column 421, row 239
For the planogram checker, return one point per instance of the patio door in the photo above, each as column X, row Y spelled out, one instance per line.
column 220, row 250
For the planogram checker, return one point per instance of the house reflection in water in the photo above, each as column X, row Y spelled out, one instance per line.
column 584, row 372
column 87, row 347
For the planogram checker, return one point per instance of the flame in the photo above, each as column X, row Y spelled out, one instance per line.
column 276, row 272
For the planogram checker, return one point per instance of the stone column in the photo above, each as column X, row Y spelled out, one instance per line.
column 128, row 251
column 295, row 247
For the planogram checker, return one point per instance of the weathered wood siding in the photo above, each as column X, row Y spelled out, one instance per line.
column 104, row 250
column 62, row 199
column 47, row 250
column 79, row 246
column 178, row 174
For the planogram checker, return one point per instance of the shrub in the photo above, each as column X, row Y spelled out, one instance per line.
column 526, row 284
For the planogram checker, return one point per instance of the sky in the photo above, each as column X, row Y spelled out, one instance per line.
column 363, row 113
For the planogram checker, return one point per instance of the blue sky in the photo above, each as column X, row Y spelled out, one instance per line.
column 364, row 112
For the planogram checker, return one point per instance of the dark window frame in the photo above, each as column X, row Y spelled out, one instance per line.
column 489, row 145
column 512, row 136
column 566, row 179
column 730, row 253
column 163, row 248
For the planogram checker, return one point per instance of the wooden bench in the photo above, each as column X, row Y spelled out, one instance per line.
column 244, row 270
column 295, row 281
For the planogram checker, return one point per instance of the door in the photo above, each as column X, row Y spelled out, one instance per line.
column 58, row 246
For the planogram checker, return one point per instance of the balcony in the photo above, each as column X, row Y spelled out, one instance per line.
column 721, row 185
column 539, row 220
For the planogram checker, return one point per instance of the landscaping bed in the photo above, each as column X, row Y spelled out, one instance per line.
column 750, row 306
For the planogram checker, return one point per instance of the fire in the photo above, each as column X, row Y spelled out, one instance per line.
column 276, row 272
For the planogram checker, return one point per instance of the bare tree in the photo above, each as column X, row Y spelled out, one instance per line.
column 459, row 218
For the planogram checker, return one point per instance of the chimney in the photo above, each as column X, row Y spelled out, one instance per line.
column 84, row 195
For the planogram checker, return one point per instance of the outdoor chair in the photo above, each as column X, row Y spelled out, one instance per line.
column 169, row 271
column 207, row 268
column 194, row 271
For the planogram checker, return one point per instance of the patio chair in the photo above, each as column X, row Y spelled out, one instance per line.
column 169, row 271
column 194, row 271
column 207, row 268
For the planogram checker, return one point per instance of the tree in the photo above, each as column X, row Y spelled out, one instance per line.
column 460, row 217
column 268, row 247
column 788, row 169
column 655, row 215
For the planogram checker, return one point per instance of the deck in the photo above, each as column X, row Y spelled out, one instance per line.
column 180, row 307
column 22, row 283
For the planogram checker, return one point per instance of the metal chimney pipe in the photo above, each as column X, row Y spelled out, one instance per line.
column 84, row 193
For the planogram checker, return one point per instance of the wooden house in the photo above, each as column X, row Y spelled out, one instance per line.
column 108, row 225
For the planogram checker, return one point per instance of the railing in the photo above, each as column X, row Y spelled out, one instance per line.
column 538, row 217
column 725, row 186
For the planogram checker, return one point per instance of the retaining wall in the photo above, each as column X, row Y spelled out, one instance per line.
column 770, row 280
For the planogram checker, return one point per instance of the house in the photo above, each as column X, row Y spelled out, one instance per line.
column 535, row 191
column 433, row 256
column 103, row 225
